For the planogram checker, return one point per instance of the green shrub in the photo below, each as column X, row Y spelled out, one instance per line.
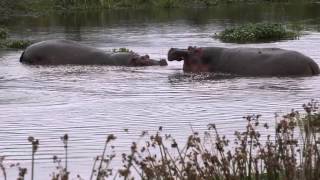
column 15, row 44
column 18, row 44
column 260, row 32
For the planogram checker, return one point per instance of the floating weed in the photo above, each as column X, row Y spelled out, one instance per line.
column 259, row 32
column 121, row 50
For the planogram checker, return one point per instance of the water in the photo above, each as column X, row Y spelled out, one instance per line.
column 90, row 102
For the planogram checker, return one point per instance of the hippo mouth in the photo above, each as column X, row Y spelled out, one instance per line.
column 176, row 54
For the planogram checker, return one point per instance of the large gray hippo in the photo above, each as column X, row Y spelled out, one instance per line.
column 245, row 61
column 59, row 52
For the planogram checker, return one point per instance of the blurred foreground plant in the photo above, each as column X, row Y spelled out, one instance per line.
column 289, row 151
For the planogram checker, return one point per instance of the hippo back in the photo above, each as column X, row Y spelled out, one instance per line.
column 265, row 62
column 62, row 52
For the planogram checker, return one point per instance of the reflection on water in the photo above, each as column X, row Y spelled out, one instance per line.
column 90, row 102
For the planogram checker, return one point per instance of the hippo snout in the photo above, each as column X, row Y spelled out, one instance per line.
column 171, row 54
column 163, row 62
column 175, row 54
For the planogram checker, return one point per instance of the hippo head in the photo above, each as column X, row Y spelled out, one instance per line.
column 193, row 61
column 146, row 61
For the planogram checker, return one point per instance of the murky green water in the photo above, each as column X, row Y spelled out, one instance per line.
column 90, row 102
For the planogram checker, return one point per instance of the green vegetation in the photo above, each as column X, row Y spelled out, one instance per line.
column 259, row 32
column 289, row 151
column 121, row 50
column 14, row 44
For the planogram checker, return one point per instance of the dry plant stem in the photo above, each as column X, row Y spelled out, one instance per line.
column 66, row 160
column 93, row 167
column 174, row 164
column 102, row 159
column 130, row 161
column 32, row 165
column 3, row 169
column 164, row 154
column 152, row 163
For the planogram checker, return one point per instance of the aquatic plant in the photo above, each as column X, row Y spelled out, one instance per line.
column 121, row 50
column 259, row 32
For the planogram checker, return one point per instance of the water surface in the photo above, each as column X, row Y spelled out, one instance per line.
column 90, row 102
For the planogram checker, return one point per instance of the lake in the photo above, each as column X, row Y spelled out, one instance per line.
column 90, row 102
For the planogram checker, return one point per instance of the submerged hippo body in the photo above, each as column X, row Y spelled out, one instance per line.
column 60, row 52
column 245, row 61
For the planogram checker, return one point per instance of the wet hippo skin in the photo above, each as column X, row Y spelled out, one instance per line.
column 60, row 52
column 245, row 61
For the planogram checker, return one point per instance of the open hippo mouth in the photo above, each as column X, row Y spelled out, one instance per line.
column 193, row 59
column 176, row 54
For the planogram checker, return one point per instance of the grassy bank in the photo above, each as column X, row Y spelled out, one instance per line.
column 43, row 6
column 289, row 151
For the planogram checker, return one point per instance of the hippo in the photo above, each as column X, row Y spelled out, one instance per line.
column 245, row 61
column 61, row 52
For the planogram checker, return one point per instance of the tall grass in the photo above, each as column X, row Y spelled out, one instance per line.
column 290, row 151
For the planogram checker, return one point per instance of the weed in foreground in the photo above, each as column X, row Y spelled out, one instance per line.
column 289, row 151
